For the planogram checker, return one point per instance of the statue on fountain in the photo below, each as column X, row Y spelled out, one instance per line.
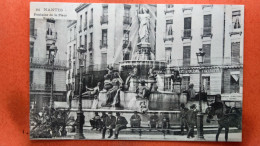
column 108, row 79
column 129, row 85
column 152, row 74
column 144, row 29
column 91, row 93
column 113, row 94
column 143, row 92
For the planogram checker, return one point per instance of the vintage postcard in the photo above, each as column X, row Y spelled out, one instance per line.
column 166, row 72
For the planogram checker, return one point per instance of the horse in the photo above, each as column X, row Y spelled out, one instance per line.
column 227, row 117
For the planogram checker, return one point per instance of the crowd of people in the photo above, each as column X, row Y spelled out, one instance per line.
column 107, row 121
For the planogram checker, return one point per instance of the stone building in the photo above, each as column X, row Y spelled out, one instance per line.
column 109, row 32
column 43, row 33
column 218, row 30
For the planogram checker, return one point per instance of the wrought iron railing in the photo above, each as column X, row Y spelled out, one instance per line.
column 126, row 44
column 127, row 20
column 51, row 36
column 206, row 31
column 168, row 38
column 213, row 61
column 90, row 23
column 46, row 62
column 186, row 33
column 103, row 43
column 169, row 9
column 104, row 19
column 42, row 87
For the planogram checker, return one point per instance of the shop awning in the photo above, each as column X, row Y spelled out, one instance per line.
column 235, row 77
column 68, row 96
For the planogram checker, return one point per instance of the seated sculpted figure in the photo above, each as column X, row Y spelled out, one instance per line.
column 113, row 93
column 108, row 79
column 152, row 74
column 143, row 91
column 91, row 92
column 131, row 75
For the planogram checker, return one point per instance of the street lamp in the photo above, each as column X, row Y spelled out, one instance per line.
column 52, row 53
column 200, row 59
column 80, row 115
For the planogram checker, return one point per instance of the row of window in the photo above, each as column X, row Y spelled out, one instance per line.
column 207, row 24
column 235, row 54
column 48, row 77
column 103, row 18
column 233, row 83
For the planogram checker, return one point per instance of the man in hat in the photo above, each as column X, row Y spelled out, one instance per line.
column 121, row 123
column 154, row 119
column 95, row 122
column 183, row 118
column 165, row 121
column 191, row 120
column 109, row 123
column 135, row 120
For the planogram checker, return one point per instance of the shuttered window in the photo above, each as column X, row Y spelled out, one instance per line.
column 185, row 82
column 207, row 50
column 207, row 25
column 186, row 55
column 235, row 52
column 187, row 27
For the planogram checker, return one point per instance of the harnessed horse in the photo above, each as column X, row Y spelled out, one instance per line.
column 227, row 117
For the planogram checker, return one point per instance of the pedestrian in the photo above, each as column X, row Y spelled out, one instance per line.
column 191, row 119
column 95, row 122
column 191, row 92
column 135, row 120
column 165, row 121
column 183, row 118
column 154, row 119
column 109, row 123
column 121, row 123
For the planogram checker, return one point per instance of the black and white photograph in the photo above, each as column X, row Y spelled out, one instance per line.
column 169, row 72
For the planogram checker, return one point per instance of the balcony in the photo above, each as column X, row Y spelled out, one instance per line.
column 213, row 61
column 206, row 32
column 85, row 26
column 33, row 33
column 80, row 28
column 90, row 46
column 45, row 63
column 104, row 19
column 41, row 87
column 103, row 44
column 186, row 34
column 169, row 10
column 127, row 44
column 51, row 36
column 235, row 31
column 168, row 38
column 206, row 6
column 90, row 23
column 127, row 20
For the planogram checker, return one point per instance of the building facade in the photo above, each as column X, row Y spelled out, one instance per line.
column 186, row 28
column 109, row 32
column 43, row 33
column 71, row 55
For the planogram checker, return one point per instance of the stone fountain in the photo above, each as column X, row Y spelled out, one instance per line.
column 142, row 67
